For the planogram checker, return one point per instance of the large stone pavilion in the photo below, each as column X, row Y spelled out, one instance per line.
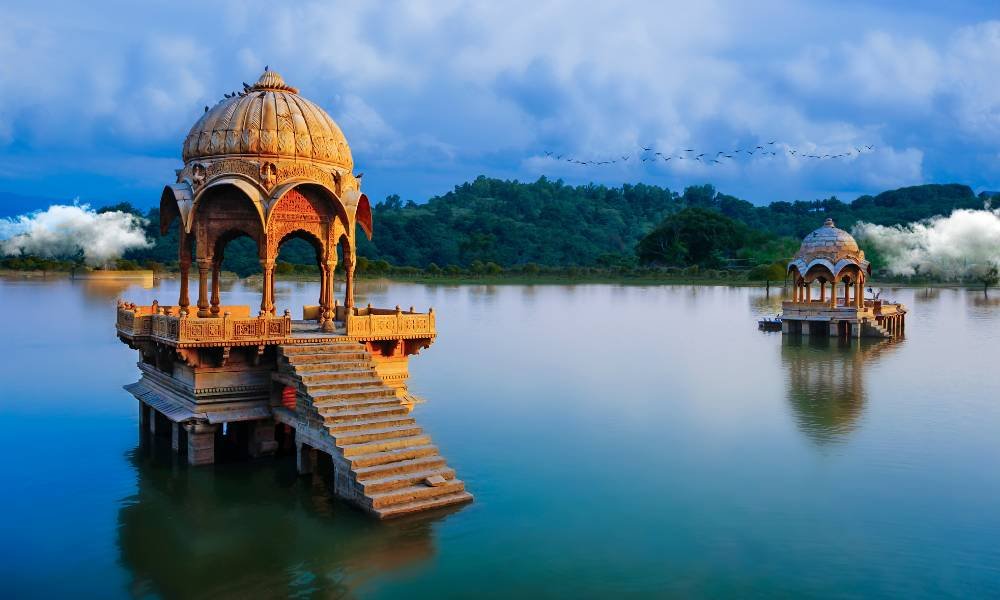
column 331, row 385
column 828, row 291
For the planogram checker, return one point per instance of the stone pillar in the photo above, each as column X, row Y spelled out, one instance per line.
column 216, row 272
column 833, row 294
column 143, row 418
column 200, row 442
column 327, row 316
column 822, row 291
column 809, row 291
column 175, row 436
column 152, row 421
column 261, row 439
column 305, row 458
column 204, row 265
column 322, row 290
column 859, row 294
column 349, row 278
column 267, row 297
column 847, row 295
column 182, row 300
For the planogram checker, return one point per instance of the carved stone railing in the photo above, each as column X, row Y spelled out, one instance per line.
column 181, row 330
column 387, row 324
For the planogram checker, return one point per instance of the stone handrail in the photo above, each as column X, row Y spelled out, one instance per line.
column 382, row 324
column 140, row 321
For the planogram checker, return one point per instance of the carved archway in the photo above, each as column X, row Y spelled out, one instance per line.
column 221, row 213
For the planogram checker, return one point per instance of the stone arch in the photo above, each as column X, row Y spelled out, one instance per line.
column 248, row 190
column 299, row 210
column 335, row 208
column 819, row 272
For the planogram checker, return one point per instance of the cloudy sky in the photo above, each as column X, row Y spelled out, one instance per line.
column 96, row 97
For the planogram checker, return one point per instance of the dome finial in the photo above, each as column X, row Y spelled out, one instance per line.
column 828, row 222
column 272, row 80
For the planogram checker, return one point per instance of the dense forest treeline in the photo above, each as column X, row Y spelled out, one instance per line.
column 491, row 225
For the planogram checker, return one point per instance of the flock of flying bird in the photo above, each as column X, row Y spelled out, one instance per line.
column 650, row 154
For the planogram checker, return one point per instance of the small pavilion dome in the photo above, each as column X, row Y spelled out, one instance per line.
column 831, row 247
column 268, row 119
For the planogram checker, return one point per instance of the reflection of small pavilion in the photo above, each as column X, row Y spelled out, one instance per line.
column 831, row 256
column 190, row 533
column 825, row 382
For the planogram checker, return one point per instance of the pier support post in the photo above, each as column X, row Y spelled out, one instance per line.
column 143, row 419
column 175, row 436
column 261, row 439
column 305, row 458
column 200, row 442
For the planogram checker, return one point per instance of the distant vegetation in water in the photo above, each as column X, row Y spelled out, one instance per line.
column 491, row 228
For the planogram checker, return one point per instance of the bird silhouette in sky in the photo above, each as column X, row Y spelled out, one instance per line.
column 667, row 157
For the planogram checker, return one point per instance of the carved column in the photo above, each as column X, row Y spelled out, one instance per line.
column 185, row 264
column 322, row 290
column 327, row 301
column 216, row 271
column 349, row 277
column 204, row 266
column 833, row 293
column 267, row 296
column 859, row 293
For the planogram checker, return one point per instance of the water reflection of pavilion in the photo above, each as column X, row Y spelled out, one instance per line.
column 259, row 531
column 825, row 382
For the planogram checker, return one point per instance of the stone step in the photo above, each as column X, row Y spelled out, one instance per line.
column 340, row 404
column 414, row 492
column 371, row 391
column 337, row 375
column 330, row 359
column 364, row 436
column 400, row 466
column 373, row 459
column 384, row 445
column 370, row 422
column 308, row 368
column 348, row 345
column 349, row 415
column 401, row 480
column 354, row 396
column 339, row 385
column 406, row 508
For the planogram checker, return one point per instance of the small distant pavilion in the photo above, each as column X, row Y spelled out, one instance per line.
column 830, row 256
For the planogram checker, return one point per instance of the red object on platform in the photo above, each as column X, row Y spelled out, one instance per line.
column 288, row 397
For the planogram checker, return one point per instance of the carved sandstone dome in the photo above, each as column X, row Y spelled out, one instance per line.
column 831, row 247
column 268, row 119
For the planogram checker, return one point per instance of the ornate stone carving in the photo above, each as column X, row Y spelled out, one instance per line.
column 198, row 175
column 268, row 174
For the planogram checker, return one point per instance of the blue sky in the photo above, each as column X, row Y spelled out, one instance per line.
column 96, row 97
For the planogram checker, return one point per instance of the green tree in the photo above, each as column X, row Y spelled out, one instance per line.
column 697, row 236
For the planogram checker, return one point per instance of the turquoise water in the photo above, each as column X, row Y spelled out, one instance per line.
column 620, row 441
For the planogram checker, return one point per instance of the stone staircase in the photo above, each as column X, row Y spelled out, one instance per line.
column 873, row 329
column 383, row 460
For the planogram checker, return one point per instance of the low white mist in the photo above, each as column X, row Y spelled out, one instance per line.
column 63, row 231
column 964, row 244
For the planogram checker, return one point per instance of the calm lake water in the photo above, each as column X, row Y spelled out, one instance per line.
column 620, row 441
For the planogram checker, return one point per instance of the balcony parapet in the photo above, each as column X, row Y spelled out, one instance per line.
column 233, row 328
column 387, row 324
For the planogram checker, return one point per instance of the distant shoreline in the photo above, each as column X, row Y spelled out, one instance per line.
column 484, row 280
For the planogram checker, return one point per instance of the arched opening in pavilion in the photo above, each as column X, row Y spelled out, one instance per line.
column 221, row 214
